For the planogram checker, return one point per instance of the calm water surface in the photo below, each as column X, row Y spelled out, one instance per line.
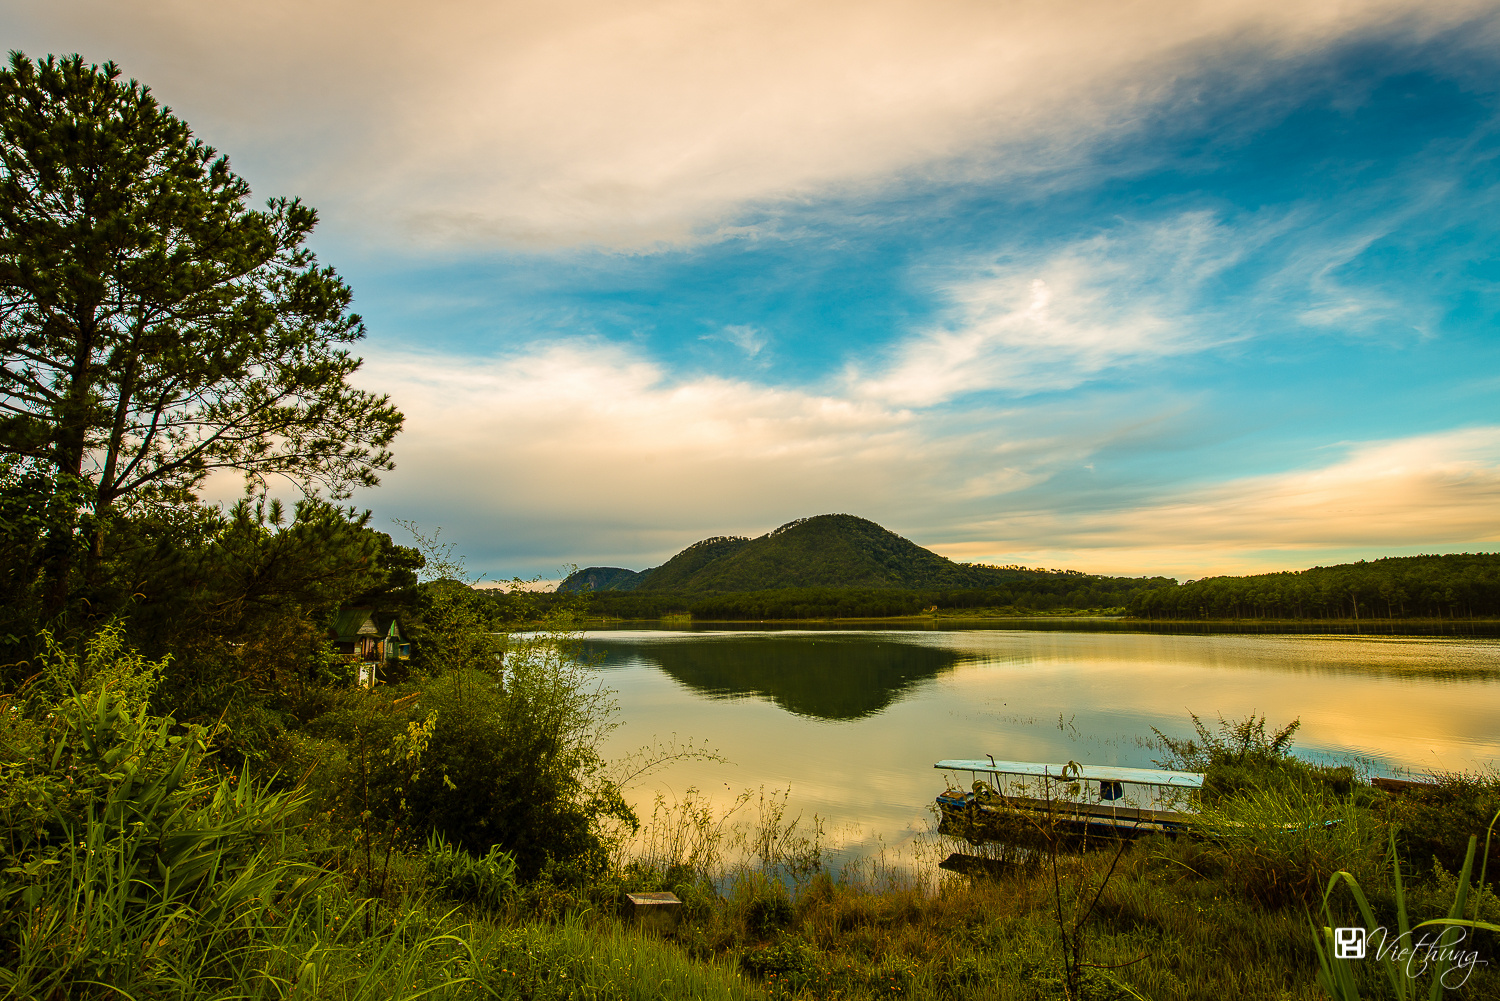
column 853, row 721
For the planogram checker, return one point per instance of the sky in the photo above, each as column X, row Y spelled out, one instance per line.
column 1182, row 288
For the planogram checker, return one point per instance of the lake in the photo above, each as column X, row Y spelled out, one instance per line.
column 852, row 720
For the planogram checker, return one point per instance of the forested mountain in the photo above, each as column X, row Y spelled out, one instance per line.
column 1451, row 586
column 688, row 570
column 834, row 564
column 837, row 565
column 831, row 550
column 602, row 579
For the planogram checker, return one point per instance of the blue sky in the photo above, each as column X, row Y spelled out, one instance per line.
column 1133, row 288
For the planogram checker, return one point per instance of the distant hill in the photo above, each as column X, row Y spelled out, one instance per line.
column 1453, row 585
column 830, row 550
column 602, row 579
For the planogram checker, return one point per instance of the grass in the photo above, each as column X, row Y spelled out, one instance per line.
column 1175, row 920
column 135, row 868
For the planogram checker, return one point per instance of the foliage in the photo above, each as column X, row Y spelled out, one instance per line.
column 1397, row 587
column 246, row 606
column 451, row 630
column 489, row 881
column 1279, row 845
column 1038, row 592
column 569, row 960
column 1241, row 758
column 111, row 822
column 1272, row 823
column 1402, row 958
column 1434, row 821
column 153, row 328
column 509, row 761
column 1238, row 743
column 242, row 599
column 517, row 764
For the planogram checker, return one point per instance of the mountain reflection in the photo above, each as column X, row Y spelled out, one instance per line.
column 825, row 677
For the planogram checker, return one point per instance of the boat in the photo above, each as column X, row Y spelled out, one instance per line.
column 1009, row 800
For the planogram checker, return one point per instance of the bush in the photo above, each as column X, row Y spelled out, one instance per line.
column 515, row 762
column 489, row 881
column 117, row 832
column 1241, row 758
column 1433, row 824
column 762, row 904
column 483, row 759
column 1280, row 848
column 791, row 961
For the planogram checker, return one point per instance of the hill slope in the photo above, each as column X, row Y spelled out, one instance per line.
column 830, row 550
column 683, row 571
column 602, row 579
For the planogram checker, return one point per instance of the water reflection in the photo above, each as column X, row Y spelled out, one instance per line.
column 853, row 721
column 827, row 677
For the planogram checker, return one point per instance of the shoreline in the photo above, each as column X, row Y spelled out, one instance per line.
column 1096, row 622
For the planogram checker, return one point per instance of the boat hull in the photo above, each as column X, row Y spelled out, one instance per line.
column 1016, row 819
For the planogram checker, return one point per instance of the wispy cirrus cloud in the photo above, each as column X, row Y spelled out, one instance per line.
column 747, row 338
column 1132, row 295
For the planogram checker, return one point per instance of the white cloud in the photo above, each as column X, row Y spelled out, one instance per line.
column 629, row 122
column 582, row 452
column 1116, row 299
column 1430, row 492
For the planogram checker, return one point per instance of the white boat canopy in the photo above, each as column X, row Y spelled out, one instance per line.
column 1072, row 771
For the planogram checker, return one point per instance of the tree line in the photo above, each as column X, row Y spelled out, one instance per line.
column 1459, row 585
column 1036, row 591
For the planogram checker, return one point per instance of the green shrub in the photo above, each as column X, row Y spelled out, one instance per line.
column 1241, row 758
column 1337, row 975
column 117, row 832
column 1434, row 824
column 489, row 881
column 791, row 961
column 1279, row 848
column 515, row 763
column 761, row 903
column 507, row 760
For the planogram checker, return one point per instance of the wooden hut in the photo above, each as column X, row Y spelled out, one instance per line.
column 369, row 638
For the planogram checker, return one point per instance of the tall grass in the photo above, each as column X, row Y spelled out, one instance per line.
column 579, row 959
column 1440, row 957
column 1279, row 846
column 695, row 838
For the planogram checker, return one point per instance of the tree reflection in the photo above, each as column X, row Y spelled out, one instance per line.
column 825, row 677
